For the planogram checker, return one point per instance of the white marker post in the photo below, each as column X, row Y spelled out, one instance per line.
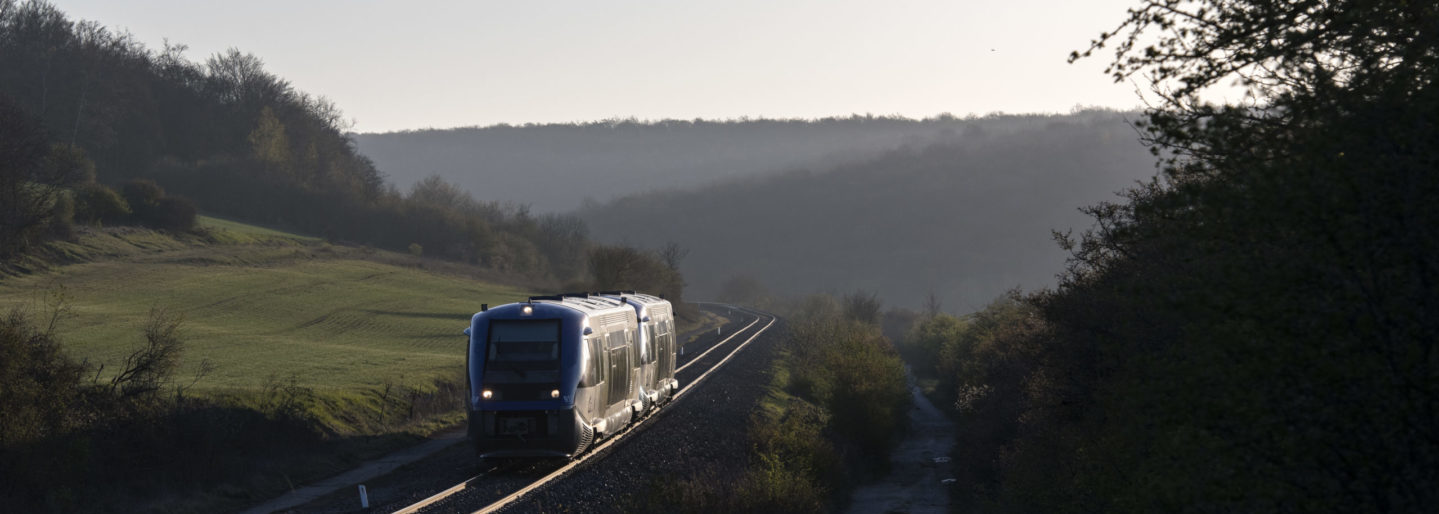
column 364, row 498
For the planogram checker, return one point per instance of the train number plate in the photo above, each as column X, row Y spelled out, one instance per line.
column 516, row 426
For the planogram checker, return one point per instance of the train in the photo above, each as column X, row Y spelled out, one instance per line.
column 551, row 376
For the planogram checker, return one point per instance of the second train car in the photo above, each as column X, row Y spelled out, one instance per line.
column 551, row 375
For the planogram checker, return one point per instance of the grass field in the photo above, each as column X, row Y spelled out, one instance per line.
column 262, row 305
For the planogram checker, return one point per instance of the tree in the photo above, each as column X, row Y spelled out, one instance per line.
column 863, row 307
column 268, row 143
column 672, row 254
column 435, row 191
column 1250, row 331
column 622, row 267
column 27, row 205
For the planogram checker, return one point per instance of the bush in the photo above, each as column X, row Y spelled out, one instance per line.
column 849, row 369
column 150, row 206
column 60, row 223
column 143, row 195
column 96, row 203
column 985, row 365
column 40, row 383
column 175, row 214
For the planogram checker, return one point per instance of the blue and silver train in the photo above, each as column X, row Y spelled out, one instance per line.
column 551, row 375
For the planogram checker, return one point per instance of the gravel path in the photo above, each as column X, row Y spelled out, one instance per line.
column 918, row 467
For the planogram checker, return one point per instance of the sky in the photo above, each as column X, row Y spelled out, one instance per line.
column 399, row 65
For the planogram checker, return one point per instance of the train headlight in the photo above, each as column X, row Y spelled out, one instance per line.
column 555, row 393
column 487, row 394
column 527, row 310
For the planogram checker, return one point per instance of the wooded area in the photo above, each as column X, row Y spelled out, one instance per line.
column 1253, row 331
column 236, row 140
column 965, row 218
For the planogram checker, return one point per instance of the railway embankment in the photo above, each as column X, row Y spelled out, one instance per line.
column 793, row 422
column 793, row 427
column 702, row 438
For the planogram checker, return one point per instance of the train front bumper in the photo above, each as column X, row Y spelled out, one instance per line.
column 528, row 433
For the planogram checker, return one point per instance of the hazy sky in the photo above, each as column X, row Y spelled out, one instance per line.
column 394, row 65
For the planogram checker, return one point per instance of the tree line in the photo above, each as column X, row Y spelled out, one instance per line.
column 966, row 218
column 606, row 159
column 1252, row 331
column 235, row 140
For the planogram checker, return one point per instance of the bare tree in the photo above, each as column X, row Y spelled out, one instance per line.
column 672, row 253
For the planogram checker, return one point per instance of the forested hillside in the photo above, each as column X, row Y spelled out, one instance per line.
column 557, row 167
column 86, row 109
column 1253, row 332
column 967, row 218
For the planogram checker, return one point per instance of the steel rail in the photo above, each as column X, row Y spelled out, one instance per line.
column 717, row 345
column 623, row 435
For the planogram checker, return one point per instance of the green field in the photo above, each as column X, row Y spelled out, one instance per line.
column 263, row 305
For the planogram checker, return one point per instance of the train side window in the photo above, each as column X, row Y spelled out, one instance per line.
column 652, row 347
column 594, row 366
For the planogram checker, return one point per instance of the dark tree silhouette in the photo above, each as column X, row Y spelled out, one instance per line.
column 1250, row 331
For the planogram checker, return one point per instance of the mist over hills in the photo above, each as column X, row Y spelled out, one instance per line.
column 966, row 217
column 557, row 167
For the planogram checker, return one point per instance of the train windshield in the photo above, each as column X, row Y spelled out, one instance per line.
column 523, row 351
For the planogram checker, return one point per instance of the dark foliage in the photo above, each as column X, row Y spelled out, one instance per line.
column 25, row 204
column 625, row 268
column 41, row 384
column 237, row 141
column 70, row 442
column 838, row 405
column 97, row 203
column 1253, row 331
column 844, row 365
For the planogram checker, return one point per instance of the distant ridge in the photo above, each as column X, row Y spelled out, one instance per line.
column 557, row 167
column 966, row 218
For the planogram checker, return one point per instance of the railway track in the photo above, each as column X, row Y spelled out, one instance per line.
column 502, row 486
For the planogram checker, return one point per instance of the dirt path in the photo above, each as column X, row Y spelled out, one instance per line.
column 915, row 482
column 369, row 470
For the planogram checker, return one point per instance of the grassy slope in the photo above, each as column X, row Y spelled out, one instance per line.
column 262, row 305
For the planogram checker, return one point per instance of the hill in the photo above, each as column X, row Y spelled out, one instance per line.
column 559, row 167
column 211, row 369
column 965, row 218
column 87, row 113
column 262, row 306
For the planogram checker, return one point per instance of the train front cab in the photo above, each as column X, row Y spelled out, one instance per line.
column 540, row 373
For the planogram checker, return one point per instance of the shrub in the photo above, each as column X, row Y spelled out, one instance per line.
column 143, row 195
column 174, row 213
column 151, row 207
column 96, row 203
column 848, row 368
column 40, row 383
column 61, row 221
